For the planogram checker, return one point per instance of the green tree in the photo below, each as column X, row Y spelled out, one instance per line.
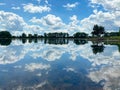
column 80, row 35
column 29, row 35
column 35, row 35
column 98, row 30
column 5, row 34
column 45, row 35
column 24, row 35
column 119, row 31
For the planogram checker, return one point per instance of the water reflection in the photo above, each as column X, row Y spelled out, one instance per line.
column 97, row 47
column 5, row 41
column 52, row 64
column 80, row 42
column 56, row 41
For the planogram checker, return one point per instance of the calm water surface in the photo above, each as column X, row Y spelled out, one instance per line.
column 49, row 65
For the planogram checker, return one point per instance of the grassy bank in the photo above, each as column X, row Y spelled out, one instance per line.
column 111, row 38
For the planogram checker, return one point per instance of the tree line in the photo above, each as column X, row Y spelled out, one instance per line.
column 98, row 31
column 6, row 34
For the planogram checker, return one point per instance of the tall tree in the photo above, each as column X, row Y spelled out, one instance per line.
column 24, row 35
column 98, row 30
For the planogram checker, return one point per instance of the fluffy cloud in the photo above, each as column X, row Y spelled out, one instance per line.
column 107, row 4
column 74, row 20
column 74, row 25
column 16, row 24
column 15, row 8
column 107, row 19
column 51, row 21
column 71, row 6
column 33, row 29
column 35, row 20
column 11, row 21
column 110, row 18
column 36, row 9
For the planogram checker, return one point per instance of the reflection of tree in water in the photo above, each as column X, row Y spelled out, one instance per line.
column 24, row 40
column 35, row 40
column 56, row 41
column 97, row 47
column 30, row 40
column 117, row 43
column 118, row 47
column 79, row 41
column 5, row 41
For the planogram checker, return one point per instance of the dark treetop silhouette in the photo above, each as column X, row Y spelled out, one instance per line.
column 98, row 30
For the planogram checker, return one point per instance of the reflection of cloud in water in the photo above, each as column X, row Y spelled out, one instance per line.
column 109, row 56
column 35, row 66
column 111, row 75
column 39, row 74
column 51, row 54
column 16, row 52
column 34, row 87
column 40, row 85
column 108, row 61
column 45, row 51
column 70, row 69
column 11, row 54
column 108, row 73
column 55, row 52
column 36, row 76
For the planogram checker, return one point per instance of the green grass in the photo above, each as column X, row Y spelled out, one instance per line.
column 111, row 38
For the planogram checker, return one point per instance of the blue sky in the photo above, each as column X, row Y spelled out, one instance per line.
column 39, row 16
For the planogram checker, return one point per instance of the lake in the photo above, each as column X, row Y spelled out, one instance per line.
column 59, row 64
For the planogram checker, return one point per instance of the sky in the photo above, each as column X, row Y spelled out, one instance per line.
column 43, row 16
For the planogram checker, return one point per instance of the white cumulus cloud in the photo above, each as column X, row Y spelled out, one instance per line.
column 16, row 25
column 109, row 20
column 15, row 8
column 51, row 21
column 36, row 9
column 107, row 4
column 11, row 21
column 71, row 6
